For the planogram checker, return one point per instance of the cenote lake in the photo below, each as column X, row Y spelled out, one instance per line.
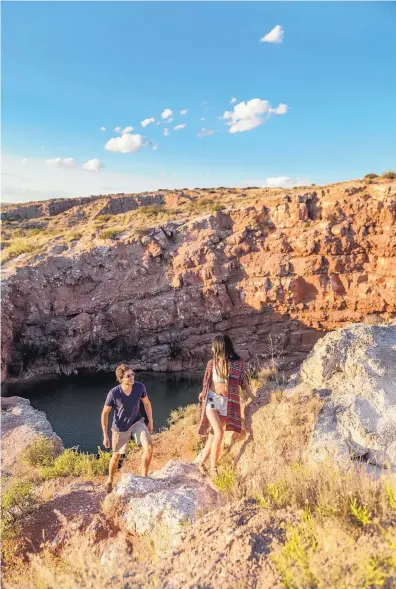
column 73, row 404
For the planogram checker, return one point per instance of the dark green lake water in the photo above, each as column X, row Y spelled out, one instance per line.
column 73, row 404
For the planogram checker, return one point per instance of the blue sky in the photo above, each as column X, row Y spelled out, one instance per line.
column 323, row 110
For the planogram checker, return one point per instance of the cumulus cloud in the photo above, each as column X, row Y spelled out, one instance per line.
column 184, row 111
column 274, row 36
column 166, row 132
column 251, row 114
column 233, row 100
column 146, row 122
column 125, row 144
column 66, row 163
column 167, row 113
column 178, row 127
column 102, row 129
column 117, row 129
column 281, row 109
column 285, row 182
column 62, row 162
column 93, row 165
column 154, row 147
column 205, row 133
column 127, row 130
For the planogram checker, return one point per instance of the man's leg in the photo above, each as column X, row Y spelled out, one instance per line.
column 113, row 465
column 143, row 437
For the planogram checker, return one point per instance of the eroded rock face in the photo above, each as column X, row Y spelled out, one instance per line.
column 275, row 273
column 20, row 426
column 162, row 504
column 354, row 371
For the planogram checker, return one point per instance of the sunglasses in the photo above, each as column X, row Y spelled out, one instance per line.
column 130, row 375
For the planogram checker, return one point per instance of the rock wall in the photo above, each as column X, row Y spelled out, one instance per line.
column 275, row 274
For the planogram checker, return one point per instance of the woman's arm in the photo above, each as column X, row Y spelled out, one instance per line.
column 206, row 381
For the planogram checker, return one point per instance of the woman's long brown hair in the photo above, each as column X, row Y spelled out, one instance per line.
column 223, row 351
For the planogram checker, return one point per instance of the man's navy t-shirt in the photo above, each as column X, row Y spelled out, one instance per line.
column 126, row 407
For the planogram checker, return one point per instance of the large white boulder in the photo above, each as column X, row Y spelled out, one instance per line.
column 354, row 371
column 21, row 424
column 164, row 503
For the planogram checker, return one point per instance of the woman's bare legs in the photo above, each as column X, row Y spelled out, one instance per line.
column 206, row 450
column 218, row 424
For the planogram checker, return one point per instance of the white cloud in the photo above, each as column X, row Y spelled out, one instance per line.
column 251, row 114
column 205, row 133
column 274, row 36
column 102, row 129
column 202, row 119
column 178, row 127
column 184, row 111
column 125, row 144
column 93, row 165
column 69, row 163
column 127, row 130
column 62, row 162
column 281, row 109
column 157, row 124
column 233, row 100
column 117, row 129
column 285, row 182
column 166, row 132
column 24, row 160
column 166, row 113
column 146, row 122
column 154, row 147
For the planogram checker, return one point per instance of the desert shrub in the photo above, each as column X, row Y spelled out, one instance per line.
column 328, row 556
column 371, row 176
column 74, row 236
column 352, row 496
column 389, row 175
column 218, row 207
column 225, row 480
column 18, row 247
column 74, row 463
column 41, row 452
column 33, row 232
column 16, row 503
column 103, row 217
column 110, row 233
column 150, row 211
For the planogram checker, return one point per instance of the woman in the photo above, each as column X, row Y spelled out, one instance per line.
column 221, row 410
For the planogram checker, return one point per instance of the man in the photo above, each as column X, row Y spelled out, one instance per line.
column 127, row 420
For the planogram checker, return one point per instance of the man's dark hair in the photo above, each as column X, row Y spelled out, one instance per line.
column 121, row 370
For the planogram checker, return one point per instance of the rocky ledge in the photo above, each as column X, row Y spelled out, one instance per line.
column 275, row 269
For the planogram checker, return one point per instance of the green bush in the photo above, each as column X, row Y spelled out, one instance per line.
column 103, row 217
column 371, row 176
column 74, row 463
column 16, row 503
column 389, row 175
column 110, row 233
column 41, row 452
column 74, row 235
column 150, row 211
column 218, row 207
column 18, row 247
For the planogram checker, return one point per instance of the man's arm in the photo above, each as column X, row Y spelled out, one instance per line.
column 105, row 425
column 149, row 411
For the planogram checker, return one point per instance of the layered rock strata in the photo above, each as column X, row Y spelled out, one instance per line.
column 273, row 270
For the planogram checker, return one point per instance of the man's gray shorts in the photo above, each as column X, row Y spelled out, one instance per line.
column 120, row 440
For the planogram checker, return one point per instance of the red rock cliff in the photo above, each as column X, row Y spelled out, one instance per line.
column 286, row 264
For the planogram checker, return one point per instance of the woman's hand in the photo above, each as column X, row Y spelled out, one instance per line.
column 200, row 397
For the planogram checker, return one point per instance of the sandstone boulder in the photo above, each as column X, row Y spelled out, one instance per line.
column 20, row 426
column 164, row 503
column 354, row 371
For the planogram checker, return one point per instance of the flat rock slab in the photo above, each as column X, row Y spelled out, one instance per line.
column 163, row 504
